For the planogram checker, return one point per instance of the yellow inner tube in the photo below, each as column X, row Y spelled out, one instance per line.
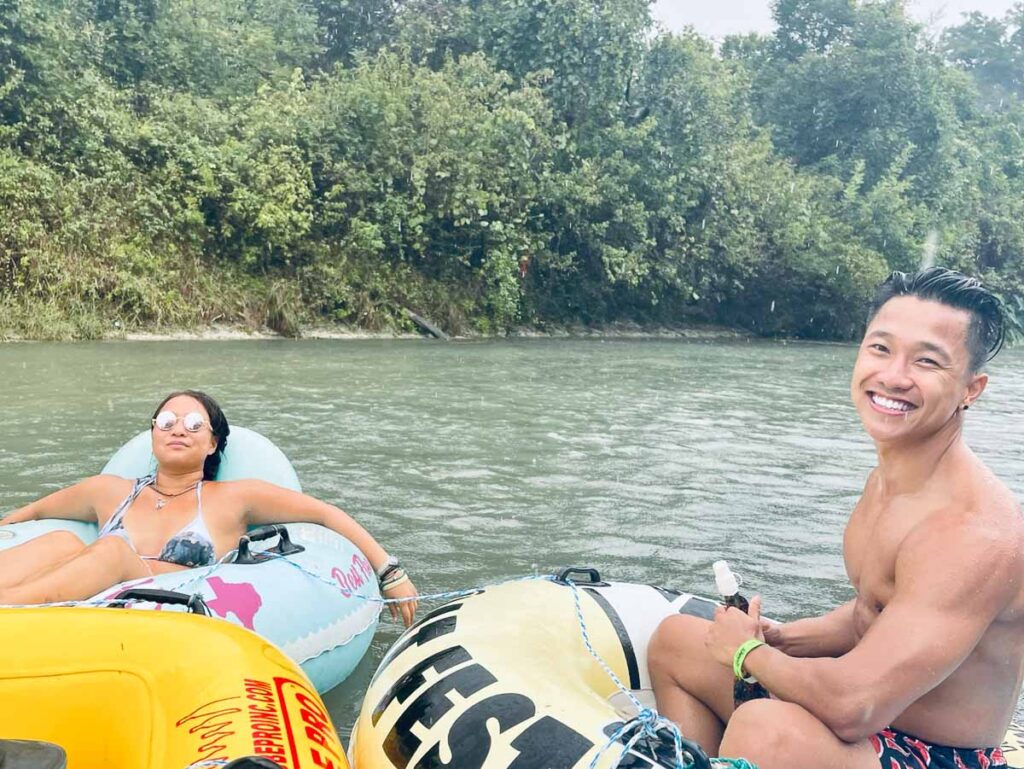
column 124, row 689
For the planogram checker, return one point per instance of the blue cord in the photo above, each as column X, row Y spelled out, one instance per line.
column 648, row 721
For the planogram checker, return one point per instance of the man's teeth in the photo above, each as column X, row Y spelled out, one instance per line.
column 886, row 403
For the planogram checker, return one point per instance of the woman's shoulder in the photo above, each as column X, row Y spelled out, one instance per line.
column 242, row 495
column 243, row 487
column 103, row 492
column 106, row 481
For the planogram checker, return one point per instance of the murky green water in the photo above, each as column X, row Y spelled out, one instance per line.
column 476, row 462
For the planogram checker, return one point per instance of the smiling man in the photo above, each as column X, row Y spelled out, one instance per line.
column 923, row 667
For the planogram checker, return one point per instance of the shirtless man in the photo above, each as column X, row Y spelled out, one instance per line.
column 923, row 667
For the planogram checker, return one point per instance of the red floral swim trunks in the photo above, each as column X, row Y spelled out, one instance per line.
column 898, row 750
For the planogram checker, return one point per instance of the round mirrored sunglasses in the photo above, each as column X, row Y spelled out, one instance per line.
column 193, row 421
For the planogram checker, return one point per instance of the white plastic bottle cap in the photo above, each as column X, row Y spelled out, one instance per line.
column 725, row 579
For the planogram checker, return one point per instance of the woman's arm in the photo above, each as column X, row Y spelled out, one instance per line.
column 265, row 503
column 76, row 503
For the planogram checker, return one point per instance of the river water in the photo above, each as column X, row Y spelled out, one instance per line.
column 480, row 461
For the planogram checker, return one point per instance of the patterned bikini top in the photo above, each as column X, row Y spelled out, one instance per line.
column 191, row 546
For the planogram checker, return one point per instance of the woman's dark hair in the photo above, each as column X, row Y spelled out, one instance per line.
column 987, row 330
column 218, row 425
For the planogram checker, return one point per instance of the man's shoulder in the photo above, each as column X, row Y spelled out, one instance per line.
column 970, row 534
column 974, row 500
column 987, row 504
column 965, row 562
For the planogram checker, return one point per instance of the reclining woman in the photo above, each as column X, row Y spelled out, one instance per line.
column 174, row 519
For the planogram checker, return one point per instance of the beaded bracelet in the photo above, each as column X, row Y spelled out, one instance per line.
column 395, row 581
column 388, row 571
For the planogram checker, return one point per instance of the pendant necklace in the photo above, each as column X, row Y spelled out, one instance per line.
column 160, row 501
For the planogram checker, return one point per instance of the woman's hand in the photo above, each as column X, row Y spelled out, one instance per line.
column 404, row 589
column 17, row 516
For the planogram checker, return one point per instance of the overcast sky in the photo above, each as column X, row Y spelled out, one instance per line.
column 717, row 18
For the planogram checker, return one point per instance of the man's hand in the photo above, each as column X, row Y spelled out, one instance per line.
column 772, row 634
column 731, row 629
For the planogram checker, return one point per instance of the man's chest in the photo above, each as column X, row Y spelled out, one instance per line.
column 871, row 545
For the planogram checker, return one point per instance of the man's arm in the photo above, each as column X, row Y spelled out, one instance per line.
column 830, row 635
column 897, row 661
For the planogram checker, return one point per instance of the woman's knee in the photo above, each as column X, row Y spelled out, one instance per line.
column 49, row 547
column 112, row 548
column 119, row 558
column 63, row 542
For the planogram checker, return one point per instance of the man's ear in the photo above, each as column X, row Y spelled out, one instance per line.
column 975, row 388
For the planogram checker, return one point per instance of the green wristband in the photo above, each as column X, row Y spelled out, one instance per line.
column 741, row 655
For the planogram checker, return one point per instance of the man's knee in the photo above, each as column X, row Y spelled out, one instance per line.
column 679, row 638
column 761, row 728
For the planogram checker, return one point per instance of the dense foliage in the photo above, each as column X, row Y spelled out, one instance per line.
column 494, row 163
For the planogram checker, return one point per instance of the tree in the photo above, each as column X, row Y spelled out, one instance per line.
column 811, row 26
column 992, row 50
column 588, row 51
column 347, row 27
column 875, row 97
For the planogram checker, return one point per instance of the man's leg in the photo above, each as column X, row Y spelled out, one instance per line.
column 780, row 735
column 695, row 691
column 691, row 688
column 102, row 564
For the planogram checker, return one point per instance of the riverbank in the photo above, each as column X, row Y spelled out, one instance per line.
column 232, row 333
column 226, row 332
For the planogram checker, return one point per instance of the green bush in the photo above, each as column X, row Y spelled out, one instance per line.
column 492, row 164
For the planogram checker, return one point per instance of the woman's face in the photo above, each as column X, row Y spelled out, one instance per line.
column 178, row 447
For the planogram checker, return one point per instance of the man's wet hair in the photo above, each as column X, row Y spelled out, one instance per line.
column 987, row 331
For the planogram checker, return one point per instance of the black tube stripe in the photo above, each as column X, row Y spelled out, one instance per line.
column 420, row 633
column 438, row 612
column 699, row 607
column 667, row 593
column 623, row 634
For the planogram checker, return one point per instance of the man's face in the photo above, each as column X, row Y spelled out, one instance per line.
column 913, row 370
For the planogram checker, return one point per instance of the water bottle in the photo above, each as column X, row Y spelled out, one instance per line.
column 743, row 689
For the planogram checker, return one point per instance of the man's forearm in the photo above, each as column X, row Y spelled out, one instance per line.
column 830, row 635
column 817, row 685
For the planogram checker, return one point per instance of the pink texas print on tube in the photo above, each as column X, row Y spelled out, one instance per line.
column 238, row 598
